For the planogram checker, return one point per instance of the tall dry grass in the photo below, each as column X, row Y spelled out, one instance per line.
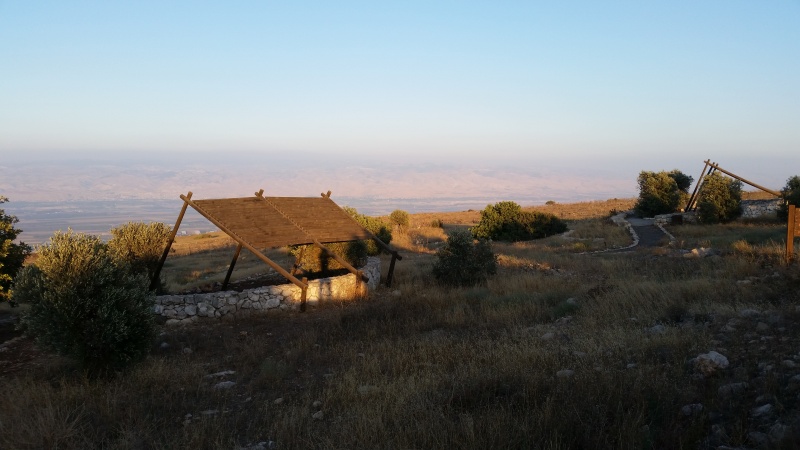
column 423, row 366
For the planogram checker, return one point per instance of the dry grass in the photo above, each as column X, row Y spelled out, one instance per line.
column 421, row 366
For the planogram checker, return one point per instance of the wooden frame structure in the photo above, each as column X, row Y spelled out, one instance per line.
column 792, row 231
column 267, row 222
column 712, row 167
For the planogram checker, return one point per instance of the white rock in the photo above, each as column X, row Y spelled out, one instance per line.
column 220, row 374
column 565, row 373
column 224, row 385
column 209, row 412
column 319, row 415
column 708, row 363
column 692, row 409
column 547, row 336
column 762, row 410
column 278, row 401
column 317, row 404
column 657, row 329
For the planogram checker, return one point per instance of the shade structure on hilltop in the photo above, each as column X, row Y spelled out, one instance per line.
column 260, row 222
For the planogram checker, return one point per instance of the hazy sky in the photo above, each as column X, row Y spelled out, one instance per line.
column 667, row 84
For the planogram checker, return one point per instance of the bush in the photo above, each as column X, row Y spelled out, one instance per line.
column 12, row 255
column 661, row 192
column 720, row 199
column 464, row 262
column 400, row 219
column 791, row 196
column 373, row 225
column 86, row 304
column 312, row 259
column 506, row 221
column 140, row 245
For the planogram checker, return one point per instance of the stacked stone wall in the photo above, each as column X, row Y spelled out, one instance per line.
column 187, row 308
column 760, row 208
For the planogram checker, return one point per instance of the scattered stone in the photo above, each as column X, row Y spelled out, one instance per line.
column 164, row 346
column 278, row 401
column 692, row 409
column 360, row 355
column 657, row 329
column 761, row 327
column 187, row 351
column 317, row 404
column 220, row 374
column 571, row 301
column 319, row 415
column 709, row 363
column 547, row 336
column 565, row 373
column 209, row 412
column 397, row 293
column 732, row 389
column 631, row 366
column 580, row 354
column 762, row 410
column 789, row 364
column 224, row 385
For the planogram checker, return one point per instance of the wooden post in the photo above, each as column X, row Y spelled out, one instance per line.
column 154, row 282
column 230, row 269
column 791, row 232
column 303, row 293
column 390, row 275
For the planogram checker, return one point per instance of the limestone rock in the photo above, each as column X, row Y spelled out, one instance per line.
column 709, row 363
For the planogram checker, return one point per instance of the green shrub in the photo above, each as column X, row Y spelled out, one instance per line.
column 506, row 221
column 464, row 262
column 400, row 219
column 720, row 199
column 86, row 304
column 140, row 245
column 661, row 192
column 373, row 225
column 312, row 259
column 791, row 196
column 12, row 255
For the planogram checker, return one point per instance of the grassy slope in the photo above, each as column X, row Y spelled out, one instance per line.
column 419, row 366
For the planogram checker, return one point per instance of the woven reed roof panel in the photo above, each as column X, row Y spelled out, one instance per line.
column 321, row 218
column 254, row 221
column 279, row 221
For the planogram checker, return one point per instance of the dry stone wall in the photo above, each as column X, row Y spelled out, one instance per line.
column 760, row 208
column 187, row 308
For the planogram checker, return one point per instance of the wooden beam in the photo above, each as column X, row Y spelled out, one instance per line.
column 230, row 269
column 246, row 245
column 390, row 274
column 743, row 180
column 155, row 281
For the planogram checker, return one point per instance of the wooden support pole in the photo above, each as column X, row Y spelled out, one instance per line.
column 155, row 281
column 230, row 269
column 696, row 187
column 791, row 231
column 390, row 275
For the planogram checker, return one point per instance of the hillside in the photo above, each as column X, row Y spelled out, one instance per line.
column 653, row 348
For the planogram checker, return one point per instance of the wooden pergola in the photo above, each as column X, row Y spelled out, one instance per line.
column 261, row 222
column 708, row 169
